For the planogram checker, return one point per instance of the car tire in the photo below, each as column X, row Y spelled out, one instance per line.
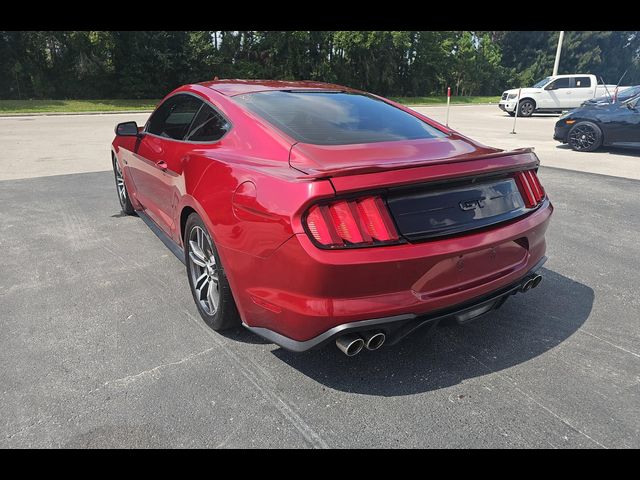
column 121, row 189
column 208, row 281
column 526, row 108
column 585, row 137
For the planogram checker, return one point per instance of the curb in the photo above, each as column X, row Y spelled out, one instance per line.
column 453, row 104
column 42, row 114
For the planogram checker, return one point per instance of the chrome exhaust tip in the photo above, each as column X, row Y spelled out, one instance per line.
column 373, row 340
column 536, row 281
column 526, row 286
column 350, row 344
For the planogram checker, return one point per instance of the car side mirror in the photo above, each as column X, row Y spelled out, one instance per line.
column 550, row 87
column 127, row 129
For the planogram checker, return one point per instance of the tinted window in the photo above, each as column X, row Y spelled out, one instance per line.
column 561, row 83
column 634, row 102
column 628, row 93
column 583, row 82
column 325, row 118
column 541, row 83
column 173, row 118
column 208, row 126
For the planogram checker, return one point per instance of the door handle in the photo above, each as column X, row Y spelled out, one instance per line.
column 162, row 165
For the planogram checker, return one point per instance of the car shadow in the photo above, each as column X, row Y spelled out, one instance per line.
column 243, row 335
column 627, row 152
column 525, row 327
column 535, row 115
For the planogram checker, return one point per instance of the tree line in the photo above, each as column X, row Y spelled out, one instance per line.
column 148, row 64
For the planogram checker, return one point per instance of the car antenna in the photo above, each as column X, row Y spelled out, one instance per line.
column 616, row 90
column 623, row 75
column 606, row 89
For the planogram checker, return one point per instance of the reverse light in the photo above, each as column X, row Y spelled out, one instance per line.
column 318, row 224
column 530, row 188
column 352, row 223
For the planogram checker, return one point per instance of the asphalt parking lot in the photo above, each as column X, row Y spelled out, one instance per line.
column 102, row 345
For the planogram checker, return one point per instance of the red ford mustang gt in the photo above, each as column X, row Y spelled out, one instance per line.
column 310, row 212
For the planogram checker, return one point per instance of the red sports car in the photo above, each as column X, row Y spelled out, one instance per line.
column 310, row 212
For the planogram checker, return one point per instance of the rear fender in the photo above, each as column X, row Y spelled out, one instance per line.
column 251, row 210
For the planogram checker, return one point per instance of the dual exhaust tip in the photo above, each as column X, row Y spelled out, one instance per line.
column 351, row 344
column 532, row 282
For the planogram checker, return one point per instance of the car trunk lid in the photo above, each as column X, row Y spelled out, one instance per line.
column 446, row 189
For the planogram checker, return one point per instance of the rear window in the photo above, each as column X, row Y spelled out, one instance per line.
column 331, row 118
column 583, row 82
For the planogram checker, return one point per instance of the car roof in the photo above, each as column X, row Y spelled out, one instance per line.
column 231, row 87
column 571, row 75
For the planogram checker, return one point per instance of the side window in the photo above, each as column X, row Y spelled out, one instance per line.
column 561, row 83
column 582, row 82
column 174, row 117
column 208, row 126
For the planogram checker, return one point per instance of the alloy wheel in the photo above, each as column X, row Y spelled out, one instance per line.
column 582, row 137
column 204, row 270
column 122, row 191
column 526, row 109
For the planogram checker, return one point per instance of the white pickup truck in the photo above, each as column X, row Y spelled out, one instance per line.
column 555, row 94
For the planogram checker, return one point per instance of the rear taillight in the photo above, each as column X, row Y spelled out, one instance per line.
column 351, row 223
column 530, row 188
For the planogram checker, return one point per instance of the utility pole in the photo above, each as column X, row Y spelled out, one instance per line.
column 557, row 62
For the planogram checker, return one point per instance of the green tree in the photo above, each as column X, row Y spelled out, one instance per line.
column 85, row 64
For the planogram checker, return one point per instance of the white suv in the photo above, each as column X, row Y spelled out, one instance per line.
column 555, row 94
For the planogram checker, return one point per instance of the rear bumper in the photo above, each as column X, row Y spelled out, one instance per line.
column 399, row 326
column 301, row 293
